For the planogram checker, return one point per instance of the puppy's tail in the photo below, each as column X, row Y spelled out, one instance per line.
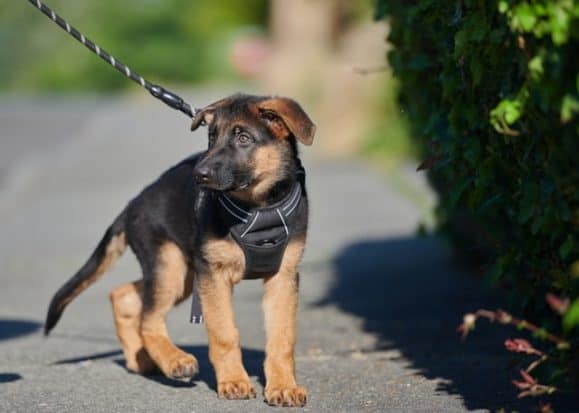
column 106, row 253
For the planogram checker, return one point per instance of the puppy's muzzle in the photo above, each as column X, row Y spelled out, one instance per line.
column 204, row 175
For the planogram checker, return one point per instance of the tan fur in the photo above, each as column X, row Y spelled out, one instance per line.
column 206, row 116
column 226, row 263
column 280, row 302
column 226, row 260
column 275, row 124
column 127, row 302
column 278, row 128
column 267, row 167
column 115, row 249
column 170, row 280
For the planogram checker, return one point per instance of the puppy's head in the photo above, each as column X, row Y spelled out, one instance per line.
column 252, row 142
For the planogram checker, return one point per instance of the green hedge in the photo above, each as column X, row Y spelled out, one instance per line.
column 491, row 89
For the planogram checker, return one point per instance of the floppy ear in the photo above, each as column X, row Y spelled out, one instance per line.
column 293, row 117
column 205, row 115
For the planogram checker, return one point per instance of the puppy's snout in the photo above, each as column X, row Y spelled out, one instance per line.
column 203, row 174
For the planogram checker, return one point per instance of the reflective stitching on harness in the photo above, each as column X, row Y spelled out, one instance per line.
column 263, row 235
column 230, row 211
column 235, row 205
column 288, row 213
column 295, row 196
column 250, row 225
column 282, row 220
column 296, row 203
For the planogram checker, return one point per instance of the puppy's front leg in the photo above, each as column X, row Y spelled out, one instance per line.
column 224, row 348
column 280, row 303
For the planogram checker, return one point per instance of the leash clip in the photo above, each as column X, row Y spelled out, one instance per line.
column 171, row 99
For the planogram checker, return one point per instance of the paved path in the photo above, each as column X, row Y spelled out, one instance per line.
column 379, row 306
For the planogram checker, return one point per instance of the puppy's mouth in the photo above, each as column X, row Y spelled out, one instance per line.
column 229, row 187
column 237, row 187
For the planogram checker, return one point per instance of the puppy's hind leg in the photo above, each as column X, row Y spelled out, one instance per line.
column 163, row 289
column 127, row 305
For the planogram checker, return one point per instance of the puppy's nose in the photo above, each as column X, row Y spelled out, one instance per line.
column 202, row 174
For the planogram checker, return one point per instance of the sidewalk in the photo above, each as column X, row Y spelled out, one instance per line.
column 378, row 312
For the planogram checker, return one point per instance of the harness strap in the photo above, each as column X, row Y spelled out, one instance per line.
column 261, row 233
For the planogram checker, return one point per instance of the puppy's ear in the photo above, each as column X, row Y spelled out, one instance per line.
column 205, row 116
column 284, row 113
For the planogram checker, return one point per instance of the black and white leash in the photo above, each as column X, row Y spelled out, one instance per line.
column 169, row 98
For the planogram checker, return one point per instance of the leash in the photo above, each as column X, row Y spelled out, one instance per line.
column 169, row 98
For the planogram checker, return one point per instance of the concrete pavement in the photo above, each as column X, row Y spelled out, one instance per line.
column 379, row 306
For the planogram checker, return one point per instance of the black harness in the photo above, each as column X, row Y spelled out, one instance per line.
column 261, row 233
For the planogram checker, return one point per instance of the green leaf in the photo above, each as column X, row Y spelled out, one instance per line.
column 503, row 6
column 512, row 113
column 460, row 42
column 489, row 202
column 507, row 111
column 566, row 248
column 536, row 67
column 559, row 24
column 571, row 317
column 526, row 212
column 456, row 193
column 524, row 17
column 569, row 107
column 380, row 10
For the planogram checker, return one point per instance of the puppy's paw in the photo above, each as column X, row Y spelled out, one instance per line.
column 182, row 366
column 236, row 390
column 295, row 396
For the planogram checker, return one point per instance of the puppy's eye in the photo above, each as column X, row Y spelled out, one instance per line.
column 243, row 139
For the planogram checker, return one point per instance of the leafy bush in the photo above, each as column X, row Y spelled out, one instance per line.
column 169, row 40
column 491, row 89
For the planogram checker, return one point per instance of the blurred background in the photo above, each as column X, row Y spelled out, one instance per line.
column 379, row 303
column 330, row 55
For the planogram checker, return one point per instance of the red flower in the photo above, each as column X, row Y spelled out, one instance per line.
column 520, row 345
column 557, row 304
column 530, row 387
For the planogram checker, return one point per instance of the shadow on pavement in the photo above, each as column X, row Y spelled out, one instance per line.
column 91, row 357
column 412, row 297
column 12, row 328
column 252, row 360
column 9, row 377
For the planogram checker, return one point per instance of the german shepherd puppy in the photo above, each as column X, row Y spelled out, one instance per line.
column 178, row 236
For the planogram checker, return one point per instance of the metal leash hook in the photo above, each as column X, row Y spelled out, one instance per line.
column 169, row 98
